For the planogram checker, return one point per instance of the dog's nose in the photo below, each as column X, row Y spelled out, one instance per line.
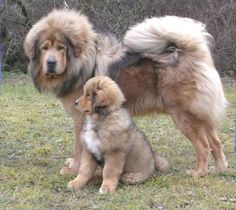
column 51, row 63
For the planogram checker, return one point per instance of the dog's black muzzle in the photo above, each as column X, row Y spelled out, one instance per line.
column 51, row 65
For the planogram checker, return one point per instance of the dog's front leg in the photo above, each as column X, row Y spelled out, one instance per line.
column 72, row 164
column 113, row 168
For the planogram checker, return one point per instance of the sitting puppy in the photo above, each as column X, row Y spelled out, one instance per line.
column 110, row 137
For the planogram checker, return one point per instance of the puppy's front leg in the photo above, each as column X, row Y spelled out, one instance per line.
column 113, row 168
column 86, row 170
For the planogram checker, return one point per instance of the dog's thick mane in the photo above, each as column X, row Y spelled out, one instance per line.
column 81, row 55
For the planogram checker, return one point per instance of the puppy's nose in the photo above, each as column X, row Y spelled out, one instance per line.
column 76, row 102
column 51, row 63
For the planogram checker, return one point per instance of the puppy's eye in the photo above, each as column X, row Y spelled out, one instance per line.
column 87, row 96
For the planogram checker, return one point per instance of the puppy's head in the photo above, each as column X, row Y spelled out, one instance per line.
column 101, row 95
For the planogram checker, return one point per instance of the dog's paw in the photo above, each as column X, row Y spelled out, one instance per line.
column 197, row 173
column 71, row 167
column 75, row 185
column 69, row 162
column 214, row 169
column 104, row 189
column 68, row 171
column 220, row 166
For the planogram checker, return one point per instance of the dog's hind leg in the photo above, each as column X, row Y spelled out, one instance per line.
column 217, row 150
column 194, row 130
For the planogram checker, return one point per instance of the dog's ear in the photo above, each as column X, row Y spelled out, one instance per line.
column 32, row 42
column 31, row 48
column 74, row 48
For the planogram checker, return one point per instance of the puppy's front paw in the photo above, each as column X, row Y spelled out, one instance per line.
column 104, row 189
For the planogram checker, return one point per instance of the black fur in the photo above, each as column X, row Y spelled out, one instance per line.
column 71, row 79
column 99, row 162
column 34, row 64
column 129, row 59
column 101, row 110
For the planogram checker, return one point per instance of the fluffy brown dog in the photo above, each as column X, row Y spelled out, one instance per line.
column 165, row 65
column 109, row 136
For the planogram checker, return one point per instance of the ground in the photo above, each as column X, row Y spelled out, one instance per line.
column 36, row 137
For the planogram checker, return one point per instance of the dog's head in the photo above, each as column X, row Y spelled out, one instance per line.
column 101, row 95
column 51, row 50
column 61, row 49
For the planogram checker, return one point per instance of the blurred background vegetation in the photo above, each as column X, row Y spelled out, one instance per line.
column 115, row 16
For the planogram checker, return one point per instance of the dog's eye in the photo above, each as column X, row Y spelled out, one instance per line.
column 44, row 47
column 60, row 47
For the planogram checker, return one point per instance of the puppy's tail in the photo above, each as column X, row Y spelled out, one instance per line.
column 165, row 39
column 161, row 163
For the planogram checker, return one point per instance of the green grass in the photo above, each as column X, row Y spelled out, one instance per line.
column 36, row 137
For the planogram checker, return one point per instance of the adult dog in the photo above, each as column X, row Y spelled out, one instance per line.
column 109, row 137
column 164, row 65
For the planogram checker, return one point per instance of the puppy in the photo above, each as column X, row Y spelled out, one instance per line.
column 111, row 138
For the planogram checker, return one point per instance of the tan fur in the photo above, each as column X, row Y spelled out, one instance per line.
column 181, row 80
column 124, row 149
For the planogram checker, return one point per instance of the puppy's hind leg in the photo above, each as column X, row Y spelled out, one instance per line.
column 161, row 163
column 113, row 168
column 134, row 178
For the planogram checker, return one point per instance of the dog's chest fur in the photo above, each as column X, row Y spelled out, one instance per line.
column 91, row 139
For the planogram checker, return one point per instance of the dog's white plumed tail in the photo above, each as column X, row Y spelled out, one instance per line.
column 182, row 45
column 156, row 34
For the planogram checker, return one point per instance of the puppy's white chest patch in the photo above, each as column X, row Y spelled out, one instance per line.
column 90, row 138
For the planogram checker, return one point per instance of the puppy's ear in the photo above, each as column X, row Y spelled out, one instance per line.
column 100, row 103
column 101, row 99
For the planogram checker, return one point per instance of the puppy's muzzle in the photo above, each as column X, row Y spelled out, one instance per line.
column 77, row 103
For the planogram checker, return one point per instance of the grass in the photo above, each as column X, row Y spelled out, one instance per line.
column 36, row 137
